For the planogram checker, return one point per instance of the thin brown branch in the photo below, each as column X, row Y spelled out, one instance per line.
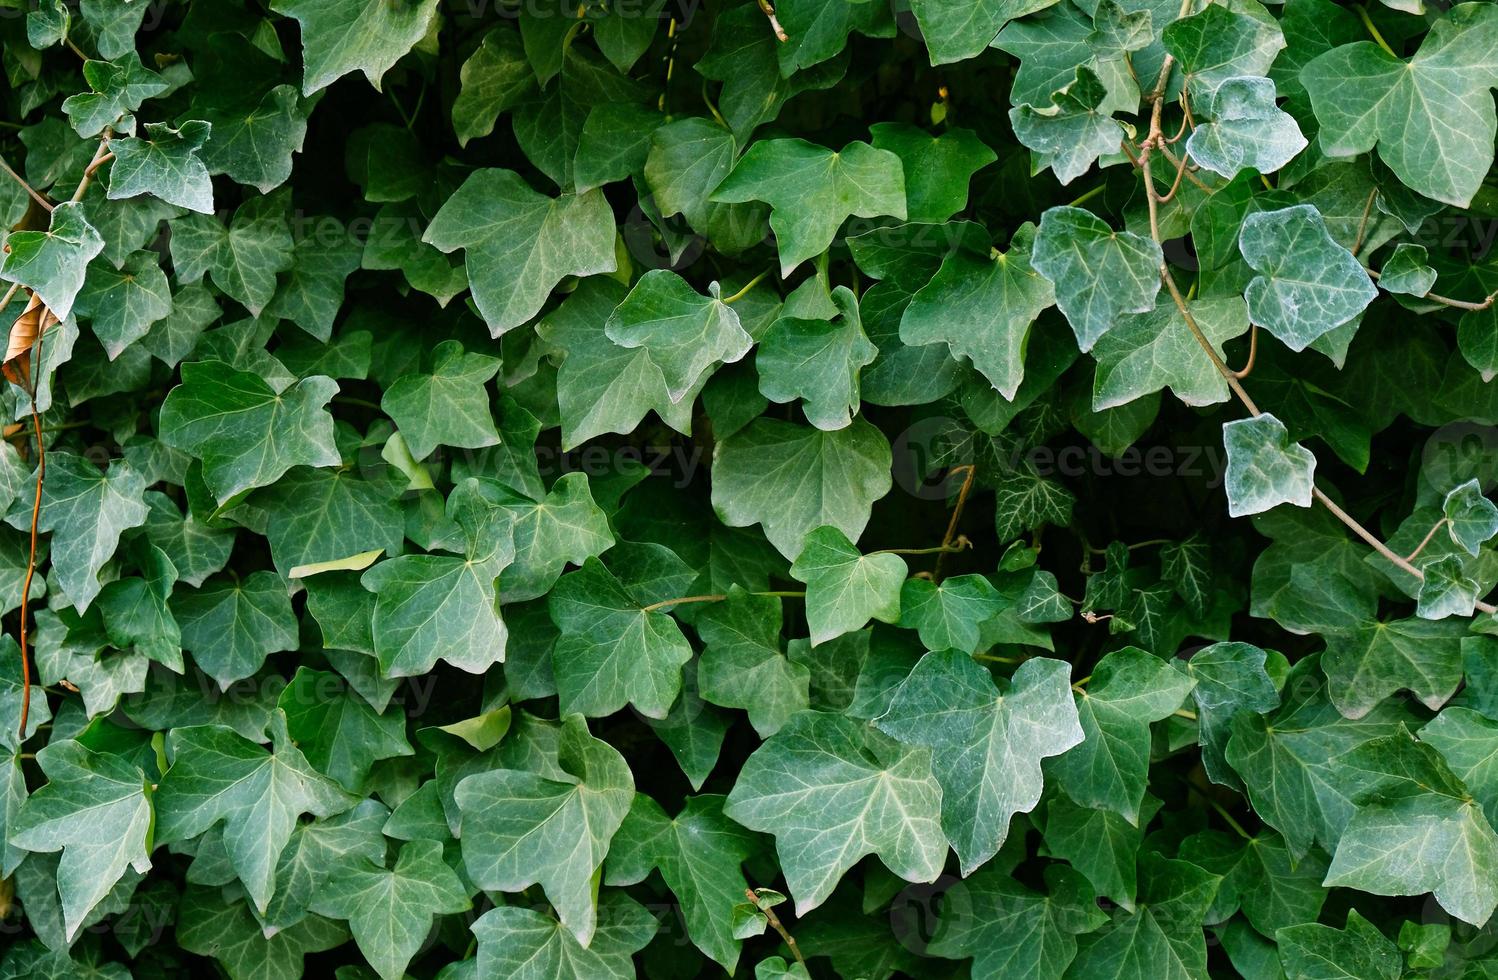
column 1253, row 352
column 1429, row 536
column 101, row 157
column 768, row 9
column 777, row 925
column 36, row 514
column 31, row 191
column 966, row 488
column 1473, row 306
column 1357, row 243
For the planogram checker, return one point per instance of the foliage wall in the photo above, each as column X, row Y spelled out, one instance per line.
column 946, row 488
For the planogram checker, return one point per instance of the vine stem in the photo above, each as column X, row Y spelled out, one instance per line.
column 768, row 9
column 714, row 597
column 1460, row 304
column 1373, row 31
column 36, row 514
column 32, row 191
column 1156, row 138
column 777, row 925
column 1426, row 540
column 747, row 287
column 961, row 544
column 951, row 533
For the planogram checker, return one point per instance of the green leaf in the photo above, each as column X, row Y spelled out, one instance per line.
column 1260, row 877
column 165, row 164
column 1099, row 274
column 1163, row 935
column 845, row 588
column 369, row 36
column 1430, row 117
column 1010, row 930
column 948, row 615
column 519, row 244
column 495, row 78
column 96, row 809
column 1307, row 283
column 1366, row 665
column 228, row 931
column 390, row 911
column 252, row 143
column 247, row 433
column 1230, row 677
column 53, row 262
column 832, row 791
column 986, row 741
column 686, row 335
column 217, row 775
column 122, row 303
column 688, row 159
column 523, row 828
column 1245, row 130
column 449, row 406
column 817, row 361
column 937, row 168
column 744, row 665
column 1128, row 690
column 86, row 509
column 1149, row 352
column 1312, row 951
column 811, row 190
column 115, row 88
column 340, row 734
column 1447, row 589
column 318, row 516
column 1223, row 41
column 613, row 650
column 1100, row 844
column 230, row 626
column 243, row 259
column 982, row 308
column 1073, row 131
column 526, row 944
column 699, row 853
column 791, row 479
column 1471, row 517
column 1416, row 829
column 1265, row 468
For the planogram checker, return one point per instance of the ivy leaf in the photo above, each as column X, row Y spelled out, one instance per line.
column 253, row 143
column 949, row 615
column 164, row 164
column 1447, row 589
column 817, row 361
column 519, row 244
column 339, row 733
column 811, row 190
column 526, row 944
column 96, row 809
column 1010, row 930
column 312, row 290
column 1162, row 934
column 122, row 303
column 1407, row 272
column 115, row 88
column 1431, row 117
column 135, row 609
column 688, row 158
column 229, row 932
column 316, row 516
column 243, row 259
column 449, row 406
column 1311, row 951
column 1073, row 131
column 986, row 742
column 1416, row 829
column 247, row 433
column 743, row 665
column 937, row 168
column 1471, row 517
column 370, row 36
column 699, row 853
column 832, row 791
column 390, row 911
column 53, row 262
column 86, row 509
column 845, row 588
column 686, row 335
column 231, row 626
column 523, row 828
column 1230, row 677
column 1100, row 844
column 1149, row 352
column 1245, row 129
column 982, row 308
column 1099, row 274
column 1223, row 41
column 792, row 479
column 495, row 77
column 613, row 650
column 1307, row 283
column 1129, row 689
column 1265, row 469
column 218, row 775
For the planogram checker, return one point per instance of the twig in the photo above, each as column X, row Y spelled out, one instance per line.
column 776, row 924
column 1425, row 540
column 951, row 533
column 1176, row 184
column 101, row 157
column 36, row 513
column 1253, row 352
column 32, row 191
column 961, row 544
column 1357, row 244
column 1459, row 304
column 715, row 597
column 769, row 11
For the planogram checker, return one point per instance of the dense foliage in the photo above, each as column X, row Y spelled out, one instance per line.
column 589, row 488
